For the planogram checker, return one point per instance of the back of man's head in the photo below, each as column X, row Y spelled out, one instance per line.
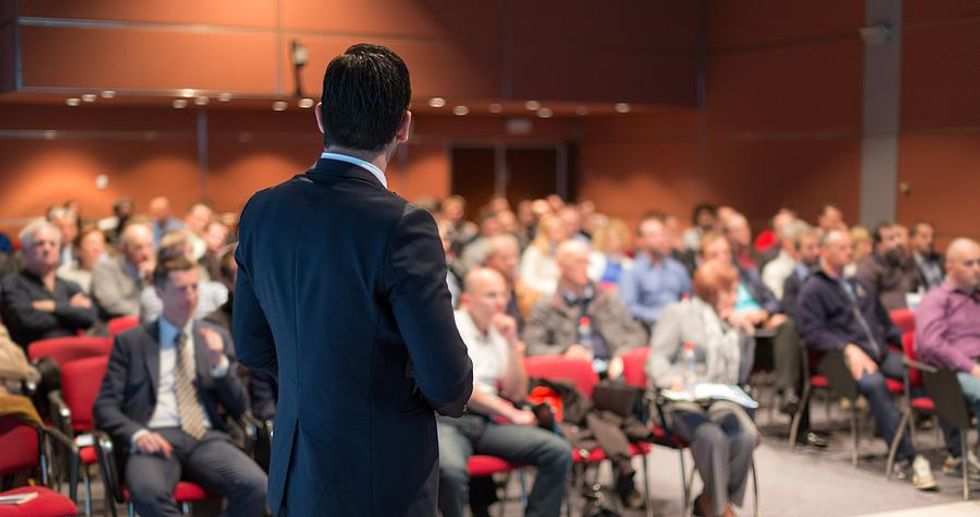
column 366, row 92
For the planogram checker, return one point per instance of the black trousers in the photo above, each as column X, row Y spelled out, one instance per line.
column 212, row 462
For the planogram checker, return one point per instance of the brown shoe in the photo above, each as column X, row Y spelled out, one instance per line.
column 702, row 506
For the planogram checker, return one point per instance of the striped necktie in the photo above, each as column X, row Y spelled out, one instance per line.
column 189, row 407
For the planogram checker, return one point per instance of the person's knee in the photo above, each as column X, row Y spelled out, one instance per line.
column 708, row 433
column 747, row 439
column 872, row 384
column 454, row 477
column 557, row 454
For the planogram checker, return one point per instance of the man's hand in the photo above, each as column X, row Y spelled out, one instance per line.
column 80, row 300
column 43, row 305
column 577, row 351
column 858, row 362
column 740, row 321
column 975, row 371
column 507, row 327
column 523, row 417
column 216, row 346
column 146, row 269
column 153, row 443
column 775, row 320
column 615, row 369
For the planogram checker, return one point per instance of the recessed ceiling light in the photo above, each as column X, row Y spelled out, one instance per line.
column 623, row 107
column 305, row 103
column 50, row 134
column 532, row 105
column 496, row 108
column 280, row 106
column 201, row 100
column 460, row 111
column 187, row 92
column 73, row 101
column 582, row 110
column 108, row 94
column 88, row 97
column 437, row 102
column 224, row 96
column 180, row 104
column 545, row 113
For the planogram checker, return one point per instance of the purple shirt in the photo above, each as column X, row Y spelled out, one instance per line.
column 948, row 327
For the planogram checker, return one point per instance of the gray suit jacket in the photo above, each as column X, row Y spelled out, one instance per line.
column 115, row 290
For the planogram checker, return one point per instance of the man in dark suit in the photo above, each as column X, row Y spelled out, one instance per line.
column 342, row 291
column 159, row 401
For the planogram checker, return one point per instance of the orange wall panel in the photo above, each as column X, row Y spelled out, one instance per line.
column 737, row 23
column 249, row 13
column 941, row 76
column 918, row 11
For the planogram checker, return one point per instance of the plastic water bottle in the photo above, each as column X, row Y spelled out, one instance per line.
column 689, row 375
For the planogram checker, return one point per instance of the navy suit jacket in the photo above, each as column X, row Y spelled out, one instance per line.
column 128, row 394
column 342, row 291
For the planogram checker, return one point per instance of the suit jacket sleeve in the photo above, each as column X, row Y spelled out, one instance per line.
column 253, row 336
column 415, row 280
column 107, row 409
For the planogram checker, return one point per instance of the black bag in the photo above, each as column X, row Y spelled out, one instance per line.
column 616, row 397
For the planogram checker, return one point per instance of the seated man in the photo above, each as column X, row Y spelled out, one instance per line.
column 656, row 280
column 159, row 403
column 503, row 256
column 890, row 270
column 930, row 263
column 834, row 312
column 948, row 330
column 36, row 304
column 498, row 375
column 116, row 283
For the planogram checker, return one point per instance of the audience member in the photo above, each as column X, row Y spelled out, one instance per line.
column 571, row 218
column 721, row 435
column 755, row 301
column 835, row 312
column 117, row 282
column 499, row 378
column 474, row 250
column 831, row 218
column 162, row 221
column 215, row 238
column 609, row 260
column 948, row 331
column 196, row 220
column 122, row 211
column 461, row 231
column 90, row 249
column 161, row 405
column 538, row 267
column 890, row 270
column 769, row 242
column 67, row 223
column 656, row 280
column 211, row 295
column 502, row 257
column 861, row 248
column 776, row 271
column 739, row 234
column 929, row 262
column 36, row 304
column 703, row 220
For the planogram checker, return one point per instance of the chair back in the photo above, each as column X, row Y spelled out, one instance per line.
column 944, row 389
column 904, row 319
column 20, row 444
column 557, row 368
column 80, row 383
column 908, row 348
column 634, row 362
column 64, row 349
column 834, row 368
column 121, row 324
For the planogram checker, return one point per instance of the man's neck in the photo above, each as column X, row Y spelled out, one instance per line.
column 378, row 159
column 173, row 322
column 832, row 272
column 482, row 326
column 655, row 258
column 573, row 288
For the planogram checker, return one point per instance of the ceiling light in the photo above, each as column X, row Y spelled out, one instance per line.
column 623, row 107
column 73, row 101
column 108, row 94
column 305, row 103
column 545, row 113
column 50, row 134
column 496, row 108
column 437, row 102
column 180, row 104
column 460, row 111
column 279, row 106
column 582, row 111
column 201, row 100
column 187, row 92
column 532, row 105
column 224, row 96
column 88, row 97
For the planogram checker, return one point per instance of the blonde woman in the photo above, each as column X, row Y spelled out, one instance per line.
column 538, row 267
column 608, row 259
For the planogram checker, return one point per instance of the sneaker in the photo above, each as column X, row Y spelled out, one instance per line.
column 954, row 466
column 922, row 477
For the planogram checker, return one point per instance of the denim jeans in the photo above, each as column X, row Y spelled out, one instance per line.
column 886, row 415
column 461, row 438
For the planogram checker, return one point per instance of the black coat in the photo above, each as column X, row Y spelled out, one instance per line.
column 342, row 290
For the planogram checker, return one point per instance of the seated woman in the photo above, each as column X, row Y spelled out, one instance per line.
column 721, row 434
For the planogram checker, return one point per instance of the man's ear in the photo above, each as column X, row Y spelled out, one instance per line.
column 404, row 128
column 319, row 116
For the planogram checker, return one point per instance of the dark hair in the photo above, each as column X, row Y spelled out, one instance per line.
column 915, row 227
column 366, row 92
column 168, row 265
column 876, row 233
column 704, row 207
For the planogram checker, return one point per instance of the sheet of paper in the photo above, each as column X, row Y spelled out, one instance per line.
column 705, row 392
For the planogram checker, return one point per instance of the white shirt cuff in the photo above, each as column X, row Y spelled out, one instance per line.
column 221, row 370
column 136, row 436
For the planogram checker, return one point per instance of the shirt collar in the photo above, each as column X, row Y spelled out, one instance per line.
column 168, row 332
column 370, row 167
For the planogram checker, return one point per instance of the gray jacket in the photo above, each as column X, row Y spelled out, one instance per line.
column 717, row 345
column 116, row 288
column 553, row 326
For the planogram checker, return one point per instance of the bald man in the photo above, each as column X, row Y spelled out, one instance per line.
column 498, row 378
column 838, row 313
column 948, row 326
column 117, row 283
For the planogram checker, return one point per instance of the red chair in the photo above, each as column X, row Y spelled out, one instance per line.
column 23, row 450
column 121, row 324
column 65, row 349
column 481, row 465
column 904, row 319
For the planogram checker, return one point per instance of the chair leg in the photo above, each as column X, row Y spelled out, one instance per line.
column 130, row 509
column 647, row 503
column 503, row 500
column 755, row 489
column 73, row 478
column 522, row 482
column 965, row 463
column 794, row 427
column 185, row 508
column 893, row 447
column 854, row 434
column 88, row 491
column 685, row 490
